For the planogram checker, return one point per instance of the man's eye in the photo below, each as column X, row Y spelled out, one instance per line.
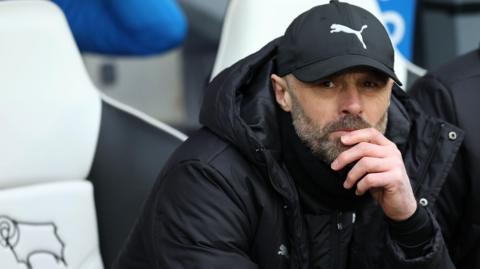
column 327, row 83
column 370, row 84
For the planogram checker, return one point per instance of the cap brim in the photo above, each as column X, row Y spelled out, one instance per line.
column 321, row 69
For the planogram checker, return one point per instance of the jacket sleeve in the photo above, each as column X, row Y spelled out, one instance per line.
column 434, row 254
column 200, row 220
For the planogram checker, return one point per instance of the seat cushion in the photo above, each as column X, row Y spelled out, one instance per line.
column 49, row 224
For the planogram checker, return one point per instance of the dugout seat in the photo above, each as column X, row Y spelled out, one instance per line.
column 75, row 165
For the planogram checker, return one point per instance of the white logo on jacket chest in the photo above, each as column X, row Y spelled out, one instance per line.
column 336, row 28
column 283, row 251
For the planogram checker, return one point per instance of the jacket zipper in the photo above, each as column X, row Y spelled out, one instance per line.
column 337, row 250
column 295, row 248
column 432, row 152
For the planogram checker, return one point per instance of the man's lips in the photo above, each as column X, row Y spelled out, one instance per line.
column 345, row 130
column 341, row 132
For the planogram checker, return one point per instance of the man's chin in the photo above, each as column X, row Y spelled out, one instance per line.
column 338, row 150
column 330, row 151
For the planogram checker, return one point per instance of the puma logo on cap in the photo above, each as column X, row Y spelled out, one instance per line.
column 336, row 28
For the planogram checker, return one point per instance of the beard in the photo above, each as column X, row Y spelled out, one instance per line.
column 317, row 138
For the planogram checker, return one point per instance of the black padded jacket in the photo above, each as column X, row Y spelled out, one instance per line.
column 224, row 200
column 452, row 92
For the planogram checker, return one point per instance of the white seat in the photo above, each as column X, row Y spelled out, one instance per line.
column 58, row 131
column 50, row 117
column 251, row 24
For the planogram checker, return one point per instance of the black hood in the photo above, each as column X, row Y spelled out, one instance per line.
column 239, row 105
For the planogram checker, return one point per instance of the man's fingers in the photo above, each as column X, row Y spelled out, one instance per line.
column 355, row 153
column 369, row 135
column 372, row 180
column 364, row 166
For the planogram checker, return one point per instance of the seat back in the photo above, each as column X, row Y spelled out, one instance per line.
column 58, row 131
column 131, row 150
column 50, row 117
column 251, row 24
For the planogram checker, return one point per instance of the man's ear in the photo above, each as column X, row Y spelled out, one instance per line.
column 282, row 95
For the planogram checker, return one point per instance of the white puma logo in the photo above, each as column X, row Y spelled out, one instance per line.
column 283, row 251
column 335, row 28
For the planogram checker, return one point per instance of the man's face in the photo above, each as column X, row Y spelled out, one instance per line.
column 324, row 111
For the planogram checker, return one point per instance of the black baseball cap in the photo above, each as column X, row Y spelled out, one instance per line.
column 333, row 37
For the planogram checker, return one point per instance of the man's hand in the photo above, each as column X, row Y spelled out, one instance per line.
column 380, row 170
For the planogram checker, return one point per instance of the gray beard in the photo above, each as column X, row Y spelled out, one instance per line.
column 317, row 137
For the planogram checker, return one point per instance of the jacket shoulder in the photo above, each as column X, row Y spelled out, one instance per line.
column 217, row 160
column 206, row 148
column 461, row 68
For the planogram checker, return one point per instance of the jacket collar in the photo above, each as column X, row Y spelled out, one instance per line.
column 239, row 107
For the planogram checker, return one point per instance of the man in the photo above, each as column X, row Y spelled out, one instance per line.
column 451, row 92
column 310, row 158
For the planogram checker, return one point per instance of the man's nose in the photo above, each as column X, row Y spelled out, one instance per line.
column 350, row 101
